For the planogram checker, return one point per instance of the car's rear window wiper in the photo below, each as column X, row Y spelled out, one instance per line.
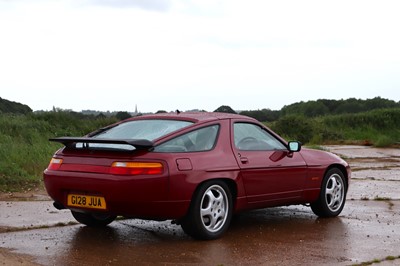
column 100, row 130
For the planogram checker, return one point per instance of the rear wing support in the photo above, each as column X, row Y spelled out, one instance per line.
column 139, row 144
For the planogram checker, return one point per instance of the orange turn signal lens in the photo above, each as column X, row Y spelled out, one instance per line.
column 136, row 168
column 55, row 164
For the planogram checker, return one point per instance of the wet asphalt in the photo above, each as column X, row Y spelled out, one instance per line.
column 368, row 229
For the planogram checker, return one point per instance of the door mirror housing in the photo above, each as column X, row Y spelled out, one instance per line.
column 294, row 146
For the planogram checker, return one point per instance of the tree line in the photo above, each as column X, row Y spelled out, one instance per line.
column 311, row 109
column 7, row 106
column 321, row 107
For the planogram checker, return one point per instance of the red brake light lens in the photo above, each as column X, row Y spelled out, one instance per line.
column 55, row 164
column 136, row 168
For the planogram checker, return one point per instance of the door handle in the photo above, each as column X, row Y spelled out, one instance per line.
column 244, row 160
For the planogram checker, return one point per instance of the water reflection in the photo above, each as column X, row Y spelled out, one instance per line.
column 269, row 236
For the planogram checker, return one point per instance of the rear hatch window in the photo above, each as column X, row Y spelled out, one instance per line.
column 135, row 130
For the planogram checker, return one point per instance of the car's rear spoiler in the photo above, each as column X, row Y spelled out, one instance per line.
column 139, row 144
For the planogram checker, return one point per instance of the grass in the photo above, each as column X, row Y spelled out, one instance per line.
column 378, row 128
column 387, row 200
column 384, row 141
column 382, row 198
column 25, row 150
column 316, row 147
column 376, row 261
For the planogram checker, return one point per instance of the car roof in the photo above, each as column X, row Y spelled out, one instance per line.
column 193, row 116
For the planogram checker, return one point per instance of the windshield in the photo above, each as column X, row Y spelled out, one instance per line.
column 143, row 129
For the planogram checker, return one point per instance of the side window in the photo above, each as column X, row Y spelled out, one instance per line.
column 198, row 140
column 251, row 137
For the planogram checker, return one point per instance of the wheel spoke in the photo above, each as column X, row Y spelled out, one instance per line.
column 329, row 191
column 206, row 211
column 210, row 195
column 213, row 221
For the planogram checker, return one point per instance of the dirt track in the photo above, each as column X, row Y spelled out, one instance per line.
column 33, row 232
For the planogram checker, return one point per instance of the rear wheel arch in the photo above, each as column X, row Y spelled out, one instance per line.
column 208, row 217
column 229, row 182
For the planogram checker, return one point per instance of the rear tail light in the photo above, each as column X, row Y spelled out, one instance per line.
column 136, row 168
column 55, row 164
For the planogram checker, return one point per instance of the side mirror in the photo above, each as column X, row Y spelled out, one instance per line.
column 294, row 146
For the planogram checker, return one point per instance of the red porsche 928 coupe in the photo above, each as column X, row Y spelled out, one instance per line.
column 196, row 169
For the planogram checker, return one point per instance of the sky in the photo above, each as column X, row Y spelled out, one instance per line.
column 113, row 55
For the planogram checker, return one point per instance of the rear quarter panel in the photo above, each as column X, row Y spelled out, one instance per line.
column 206, row 165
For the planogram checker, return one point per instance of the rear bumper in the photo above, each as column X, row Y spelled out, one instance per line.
column 130, row 196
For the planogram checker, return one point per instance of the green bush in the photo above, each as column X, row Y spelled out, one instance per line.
column 378, row 127
column 378, row 119
column 295, row 127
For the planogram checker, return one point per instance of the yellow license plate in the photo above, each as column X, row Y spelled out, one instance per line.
column 85, row 201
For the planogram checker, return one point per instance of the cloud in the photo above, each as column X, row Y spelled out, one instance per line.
column 266, row 54
column 153, row 5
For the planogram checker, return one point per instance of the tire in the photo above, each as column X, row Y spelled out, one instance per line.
column 93, row 220
column 332, row 196
column 210, row 211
